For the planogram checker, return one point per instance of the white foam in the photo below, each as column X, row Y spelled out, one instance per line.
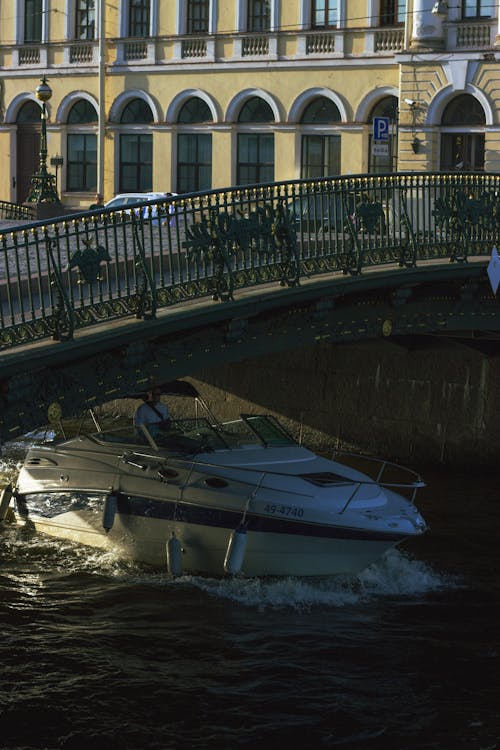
column 395, row 575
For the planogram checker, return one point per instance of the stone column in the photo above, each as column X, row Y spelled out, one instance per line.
column 427, row 32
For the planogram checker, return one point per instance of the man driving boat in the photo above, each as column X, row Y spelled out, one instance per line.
column 152, row 414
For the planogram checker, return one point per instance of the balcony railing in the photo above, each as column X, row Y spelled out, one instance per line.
column 479, row 34
column 320, row 43
column 389, row 40
column 29, row 55
column 460, row 35
column 81, row 52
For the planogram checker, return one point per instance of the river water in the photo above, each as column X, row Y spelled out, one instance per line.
column 97, row 653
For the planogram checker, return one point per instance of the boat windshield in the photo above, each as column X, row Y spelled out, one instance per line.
column 261, row 429
column 194, row 435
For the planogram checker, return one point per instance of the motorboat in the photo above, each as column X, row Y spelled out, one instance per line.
column 213, row 498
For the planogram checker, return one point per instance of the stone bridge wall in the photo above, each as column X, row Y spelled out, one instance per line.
column 425, row 406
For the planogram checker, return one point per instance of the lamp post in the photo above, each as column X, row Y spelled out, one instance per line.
column 43, row 192
column 56, row 161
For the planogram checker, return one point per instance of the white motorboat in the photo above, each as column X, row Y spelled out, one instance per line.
column 211, row 498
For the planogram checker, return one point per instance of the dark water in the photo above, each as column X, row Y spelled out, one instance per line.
column 96, row 653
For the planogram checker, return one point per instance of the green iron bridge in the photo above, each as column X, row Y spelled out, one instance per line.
column 95, row 304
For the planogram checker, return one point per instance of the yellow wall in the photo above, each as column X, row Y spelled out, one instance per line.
column 356, row 80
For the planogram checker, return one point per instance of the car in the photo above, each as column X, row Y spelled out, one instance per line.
column 332, row 213
column 318, row 213
column 124, row 201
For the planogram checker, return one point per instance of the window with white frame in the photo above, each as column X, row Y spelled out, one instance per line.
column 85, row 19
column 136, row 148
column 320, row 151
column 324, row 14
column 139, row 18
column 198, row 16
column 392, row 12
column 255, row 153
column 33, row 21
column 194, row 148
column 259, row 15
column 476, row 9
column 81, row 148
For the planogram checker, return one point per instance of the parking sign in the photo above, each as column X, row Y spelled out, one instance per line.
column 381, row 128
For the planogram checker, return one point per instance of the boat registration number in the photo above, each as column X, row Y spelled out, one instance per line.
column 284, row 510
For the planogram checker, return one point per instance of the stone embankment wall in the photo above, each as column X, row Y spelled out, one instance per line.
column 438, row 405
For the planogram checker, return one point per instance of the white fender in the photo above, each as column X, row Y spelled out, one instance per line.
column 5, row 497
column 174, row 556
column 235, row 552
column 109, row 513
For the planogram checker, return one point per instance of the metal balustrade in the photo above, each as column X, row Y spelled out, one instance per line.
column 88, row 268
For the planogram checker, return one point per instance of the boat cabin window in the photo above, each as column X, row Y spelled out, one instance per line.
column 268, row 429
column 260, row 429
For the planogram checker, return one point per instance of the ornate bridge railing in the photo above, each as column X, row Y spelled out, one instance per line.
column 14, row 212
column 90, row 267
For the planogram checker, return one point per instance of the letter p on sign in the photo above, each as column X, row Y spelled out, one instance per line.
column 381, row 128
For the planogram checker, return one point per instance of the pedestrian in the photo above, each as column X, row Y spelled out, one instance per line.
column 99, row 202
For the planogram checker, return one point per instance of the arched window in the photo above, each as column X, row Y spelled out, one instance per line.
column 256, row 110
column 136, row 149
column 137, row 110
column 383, row 156
column 462, row 150
column 30, row 112
column 194, row 149
column 464, row 110
column 255, row 157
column 320, row 151
column 82, row 112
column 195, row 110
column 81, row 147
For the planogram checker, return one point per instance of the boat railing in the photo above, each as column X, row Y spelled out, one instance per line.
column 384, row 473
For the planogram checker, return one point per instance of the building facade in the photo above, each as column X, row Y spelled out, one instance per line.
column 188, row 95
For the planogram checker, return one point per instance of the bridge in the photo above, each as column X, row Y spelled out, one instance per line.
column 94, row 305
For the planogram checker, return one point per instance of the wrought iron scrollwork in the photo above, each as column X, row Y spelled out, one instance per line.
column 462, row 218
column 285, row 241
column 146, row 302
column 212, row 239
column 268, row 230
column 406, row 258
column 63, row 322
column 88, row 262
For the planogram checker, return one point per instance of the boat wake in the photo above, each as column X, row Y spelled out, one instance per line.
column 396, row 575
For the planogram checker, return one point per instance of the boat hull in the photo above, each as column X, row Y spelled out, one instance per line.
column 274, row 547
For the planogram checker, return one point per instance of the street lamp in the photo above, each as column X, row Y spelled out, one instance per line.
column 43, row 192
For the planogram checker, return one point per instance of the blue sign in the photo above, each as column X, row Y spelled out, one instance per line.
column 381, row 128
